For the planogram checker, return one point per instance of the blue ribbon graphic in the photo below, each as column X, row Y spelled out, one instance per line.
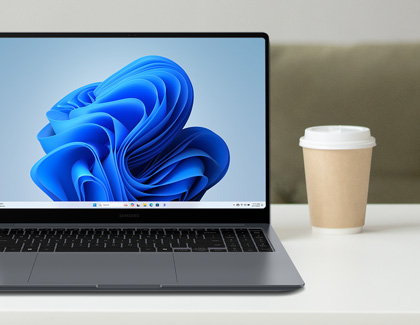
column 124, row 139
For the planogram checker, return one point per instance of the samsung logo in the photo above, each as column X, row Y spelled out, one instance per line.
column 129, row 215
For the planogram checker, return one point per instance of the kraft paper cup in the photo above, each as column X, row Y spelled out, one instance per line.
column 337, row 168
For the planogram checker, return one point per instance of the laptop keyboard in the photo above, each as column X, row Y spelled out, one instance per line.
column 133, row 240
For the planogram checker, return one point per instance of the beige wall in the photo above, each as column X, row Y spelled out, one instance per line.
column 335, row 21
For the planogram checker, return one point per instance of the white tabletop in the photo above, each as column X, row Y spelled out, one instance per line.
column 367, row 278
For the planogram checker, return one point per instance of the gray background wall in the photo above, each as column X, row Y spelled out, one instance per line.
column 336, row 21
column 286, row 21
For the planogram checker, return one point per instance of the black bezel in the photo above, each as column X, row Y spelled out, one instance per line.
column 165, row 215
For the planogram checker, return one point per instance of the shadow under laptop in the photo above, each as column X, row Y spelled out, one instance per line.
column 154, row 293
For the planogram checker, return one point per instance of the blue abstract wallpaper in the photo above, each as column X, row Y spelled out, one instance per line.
column 124, row 139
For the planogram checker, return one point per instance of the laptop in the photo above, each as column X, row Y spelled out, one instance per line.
column 137, row 162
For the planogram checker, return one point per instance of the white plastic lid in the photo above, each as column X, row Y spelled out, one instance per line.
column 337, row 137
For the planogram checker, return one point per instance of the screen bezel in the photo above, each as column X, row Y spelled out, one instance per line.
column 166, row 215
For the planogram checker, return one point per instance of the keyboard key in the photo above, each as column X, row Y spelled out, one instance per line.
column 182, row 250
column 250, row 249
column 200, row 249
column 148, row 249
column 46, row 249
column 267, row 249
column 247, row 244
column 129, row 245
column 80, row 245
column 164, row 249
column 216, row 245
column 218, row 250
column 123, row 249
column 233, row 245
column 30, row 249
column 146, row 245
column 96, row 249
column 66, row 249
column 12, row 249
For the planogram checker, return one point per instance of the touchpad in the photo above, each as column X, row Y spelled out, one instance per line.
column 103, row 268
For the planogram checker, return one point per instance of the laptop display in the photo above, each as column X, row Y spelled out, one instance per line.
column 133, row 122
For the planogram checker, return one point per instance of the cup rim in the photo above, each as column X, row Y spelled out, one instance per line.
column 337, row 137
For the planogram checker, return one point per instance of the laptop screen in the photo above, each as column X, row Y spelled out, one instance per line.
column 133, row 122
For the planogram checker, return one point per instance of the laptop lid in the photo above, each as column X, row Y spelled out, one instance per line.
column 134, row 128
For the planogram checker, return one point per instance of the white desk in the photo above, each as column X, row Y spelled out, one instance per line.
column 368, row 278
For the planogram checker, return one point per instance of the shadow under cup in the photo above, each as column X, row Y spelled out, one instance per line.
column 337, row 170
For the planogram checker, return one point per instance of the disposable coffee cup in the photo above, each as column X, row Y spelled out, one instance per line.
column 337, row 162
